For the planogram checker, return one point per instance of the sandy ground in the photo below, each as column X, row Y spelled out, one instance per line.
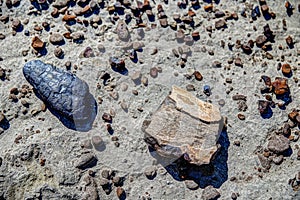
column 21, row 173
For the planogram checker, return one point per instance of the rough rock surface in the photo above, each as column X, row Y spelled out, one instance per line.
column 210, row 193
column 279, row 144
column 65, row 94
column 184, row 125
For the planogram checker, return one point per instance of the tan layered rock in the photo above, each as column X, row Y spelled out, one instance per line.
column 184, row 126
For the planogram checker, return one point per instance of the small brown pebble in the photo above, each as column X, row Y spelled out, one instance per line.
column 120, row 192
column 190, row 184
column 238, row 97
column 98, row 143
column 117, row 144
column 237, row 143
column 292, row 115
column 153, row 72
column 37, row 43
column 4, row 18
column 13, row 97
column 216, row 64
column 67, row 17
column 45, row 25
column 228, row 80
column 88, row 52
column 268, row 97
column 211, row 52
column 269, row 56
column 195, row 34
column 85, row 9
column 43, row 107
column 286, row 129
column 150, row 172
column 190, row 87
column 238, row 62
column 261, row 40
column 210, row 193
column 54, row 12
column 180, row 34
column 273, row 15
column 180, row 50
column 175, row 52
column 163, row 22
column 2, row 117
column 68, row 65
column 2, row 73
column 58, row 52
column 136, row 76
column 286, row 69
column 117, row 180
column 280, row 86
column 18, row 138
column 278, row 159
column 137, row 45
column 184, row 57
column 246, row 49
column 109, row 128
column 107, row 117
column 16, row 24
column 221, row 102
column 234, row 16
column 220, row 24
column 67, row 35
column 288, row 5
column 144, row 80
column 24, row 53
column 241, row 116
column 14, row 91
column 103, row 182
column 154, row 51
column 208, row 7
column 124, row 106
column 24, row 103
column 2, row 36
column 198, row 76
column 56, row 38
column 114, row 95
column 106, row 174
column 234, row 196
column 266, row 79
column 42, row 161
column 289, row 41
column 264, row 9
column 135, row 92
column 38, row 28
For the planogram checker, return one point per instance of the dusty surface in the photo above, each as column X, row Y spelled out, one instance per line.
column 41, row 158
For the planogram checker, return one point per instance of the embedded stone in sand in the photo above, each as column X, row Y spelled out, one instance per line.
column 184, row 126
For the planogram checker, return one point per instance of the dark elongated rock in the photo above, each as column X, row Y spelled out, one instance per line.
column 65, row 95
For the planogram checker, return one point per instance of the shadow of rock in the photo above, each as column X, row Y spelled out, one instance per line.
column 215, row 173
column 268, row 114
column 286, row 97
column 4, row 124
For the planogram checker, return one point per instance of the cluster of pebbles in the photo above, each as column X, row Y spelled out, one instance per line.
column 129, row 21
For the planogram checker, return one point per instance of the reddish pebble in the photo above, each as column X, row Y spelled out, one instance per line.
column 153, row 72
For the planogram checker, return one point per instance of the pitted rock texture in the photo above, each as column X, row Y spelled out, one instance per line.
column 184, row 126
column 66, row 96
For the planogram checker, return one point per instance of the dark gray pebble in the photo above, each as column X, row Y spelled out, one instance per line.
column 66, row 96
